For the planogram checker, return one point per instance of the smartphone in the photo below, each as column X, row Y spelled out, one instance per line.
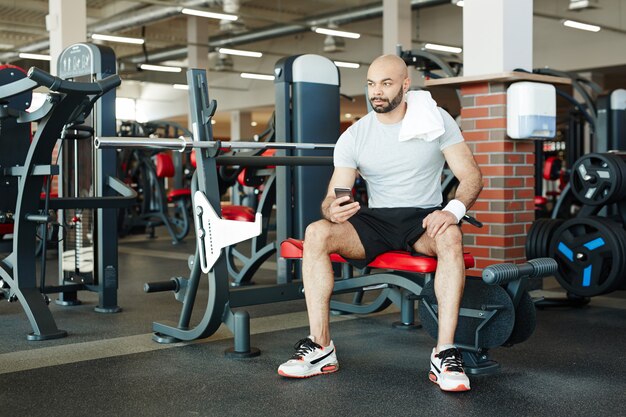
column 343, row 191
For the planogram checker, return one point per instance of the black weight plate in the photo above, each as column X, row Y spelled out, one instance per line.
column 476, row 295
column 525, row 320
column 596, row 179
column 9, row 74
column 532, row 243
column 549, row 229
column 589, row 254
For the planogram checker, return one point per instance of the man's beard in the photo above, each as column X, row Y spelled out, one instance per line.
column 392, row 105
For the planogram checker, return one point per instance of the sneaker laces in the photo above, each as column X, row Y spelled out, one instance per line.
column 303, row 347
column 451, row 359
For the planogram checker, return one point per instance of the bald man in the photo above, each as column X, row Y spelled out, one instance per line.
column 404, row 213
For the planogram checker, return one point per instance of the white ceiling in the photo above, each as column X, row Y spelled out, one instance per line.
column 602, row 55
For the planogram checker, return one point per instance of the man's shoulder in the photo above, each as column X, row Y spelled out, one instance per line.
column 363, row 124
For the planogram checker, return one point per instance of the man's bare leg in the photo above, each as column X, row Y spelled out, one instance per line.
column 321, row 239
column 449, row 278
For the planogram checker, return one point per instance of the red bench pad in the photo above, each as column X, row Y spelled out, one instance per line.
column 239, row 213
column 398, row 260
column 178, row 193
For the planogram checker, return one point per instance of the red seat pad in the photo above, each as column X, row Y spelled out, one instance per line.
column 52, row 195
column 398, row 260
column 164, row 166
column 239, row 213
column 6, row 228
column 177, row 193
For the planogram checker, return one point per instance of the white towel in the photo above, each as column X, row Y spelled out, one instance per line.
column 422, row 119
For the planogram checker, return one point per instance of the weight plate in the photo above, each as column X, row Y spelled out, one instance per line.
column 597, row 179
column 590, row 255
column 525, row 321
column 477, row 303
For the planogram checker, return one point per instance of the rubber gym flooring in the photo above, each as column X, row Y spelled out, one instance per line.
column 574, row 364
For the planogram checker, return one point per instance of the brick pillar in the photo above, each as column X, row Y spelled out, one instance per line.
column 506, row 204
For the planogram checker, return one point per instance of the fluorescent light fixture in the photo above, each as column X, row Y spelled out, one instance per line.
column 254, row 76
column 120, row 39
column 582, row 26
column 582, row 4
column 443, row 48
column 181, row 86
column 347, row 64
column 340, row 33
column 210, row 15
column 239, row 52
column 39, row 57
column 162, row 68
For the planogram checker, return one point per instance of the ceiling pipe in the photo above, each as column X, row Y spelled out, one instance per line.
column 122, row 21
column 352, row 15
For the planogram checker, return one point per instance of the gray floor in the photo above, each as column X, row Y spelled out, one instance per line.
column 574, row 364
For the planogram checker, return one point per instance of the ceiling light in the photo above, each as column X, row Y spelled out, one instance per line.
column 239, row 52
column 181, row 86
column 582, row 4
column 347, row 64
column 443, row 48
column 254, row 76
column 210, row 15
column 348, row 115
column 459, row 3
column 333, row 32
column 121, row 39
column 162, row 68
column 39, row 57
column 213, row 121
column 253, row 124
column 581, row 26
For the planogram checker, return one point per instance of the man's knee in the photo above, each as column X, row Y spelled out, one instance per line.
column 317, row 233
column 450, row 240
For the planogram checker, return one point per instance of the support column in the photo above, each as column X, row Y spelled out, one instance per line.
column 396, row 25
column 240, row 125
column 197, row 57
column 67, row 24
column 506, row 204
column 508, row 42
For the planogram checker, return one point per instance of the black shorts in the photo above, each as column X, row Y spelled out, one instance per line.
column 385, row 229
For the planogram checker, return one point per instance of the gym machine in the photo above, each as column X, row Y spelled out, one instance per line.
column 307, row 107
column 67, row 106
column 88, row 250
column 511, row 309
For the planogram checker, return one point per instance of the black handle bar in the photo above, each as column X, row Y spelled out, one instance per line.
column 63, row 86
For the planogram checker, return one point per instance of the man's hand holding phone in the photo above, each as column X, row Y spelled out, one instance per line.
column 344, row 205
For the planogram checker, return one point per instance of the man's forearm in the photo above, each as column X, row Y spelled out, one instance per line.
column 325, row 206
column 468, row 190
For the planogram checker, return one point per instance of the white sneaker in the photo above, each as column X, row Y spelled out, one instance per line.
column 446, row 370
column 310, row 359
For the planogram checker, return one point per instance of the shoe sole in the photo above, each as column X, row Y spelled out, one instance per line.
column 458, row 388
column 328, row 369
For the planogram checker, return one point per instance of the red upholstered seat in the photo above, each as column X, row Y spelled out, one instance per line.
column 398, row 260
column 178, row 193
column 6, row 228
column 52, row 195
column 164, row 165
column 239, row 213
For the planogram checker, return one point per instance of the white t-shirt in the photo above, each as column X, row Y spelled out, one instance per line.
column 398, row 174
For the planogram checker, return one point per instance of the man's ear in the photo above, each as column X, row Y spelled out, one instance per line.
column 406, row 85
